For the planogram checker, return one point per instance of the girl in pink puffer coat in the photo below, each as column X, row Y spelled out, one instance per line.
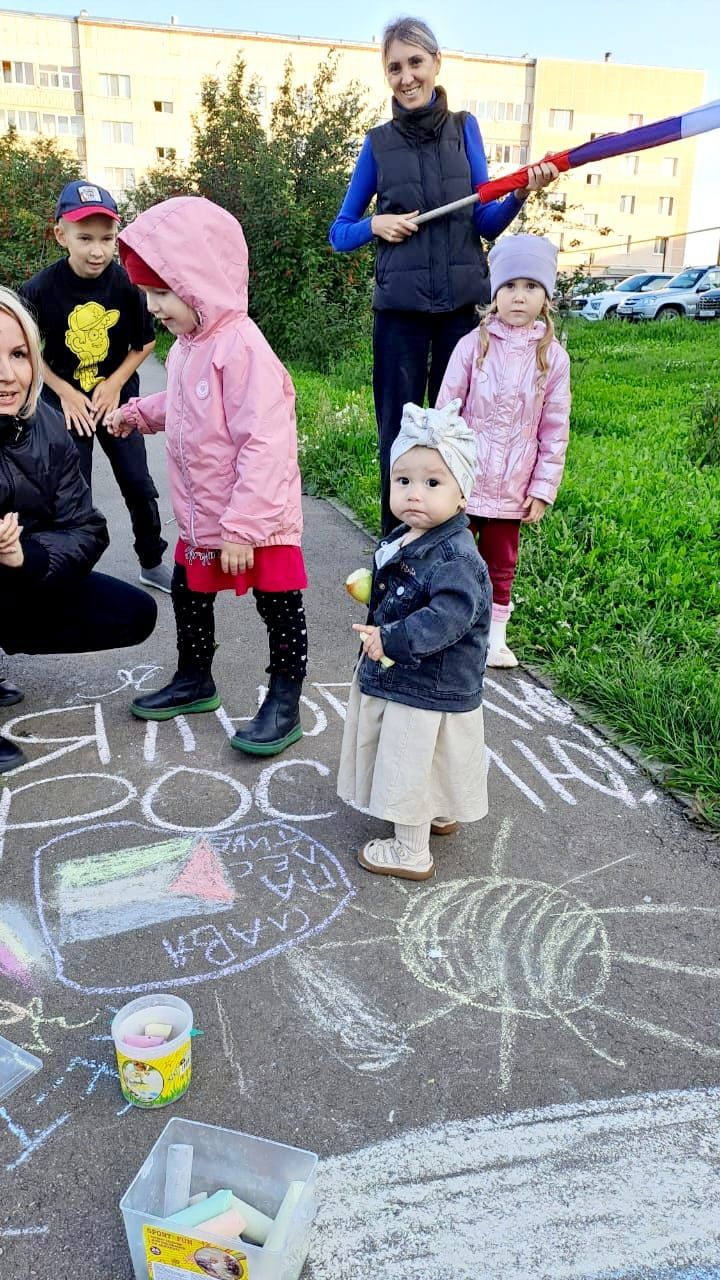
column 228, row 414
column 513, row 379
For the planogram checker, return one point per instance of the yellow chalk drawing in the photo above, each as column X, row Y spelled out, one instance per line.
column 87, row 337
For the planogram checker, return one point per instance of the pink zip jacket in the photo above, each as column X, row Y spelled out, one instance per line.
column 522, row 429
column 229, row 408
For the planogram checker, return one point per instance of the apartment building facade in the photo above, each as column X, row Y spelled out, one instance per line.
column 122, row 95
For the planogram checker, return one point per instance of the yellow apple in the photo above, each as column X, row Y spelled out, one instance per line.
column 359, row 585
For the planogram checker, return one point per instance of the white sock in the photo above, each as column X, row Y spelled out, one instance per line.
column 416, row 839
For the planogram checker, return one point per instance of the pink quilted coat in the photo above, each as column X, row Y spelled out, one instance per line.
column 522, row 428
column 229, row 409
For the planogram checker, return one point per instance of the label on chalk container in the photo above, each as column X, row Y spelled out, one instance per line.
column 172, row 1257
column 157, row 1081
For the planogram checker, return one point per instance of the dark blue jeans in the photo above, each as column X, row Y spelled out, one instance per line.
column 411, row 350
column 73, row 615
column 128, row 460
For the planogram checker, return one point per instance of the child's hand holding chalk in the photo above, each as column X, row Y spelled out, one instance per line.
column 372, row 643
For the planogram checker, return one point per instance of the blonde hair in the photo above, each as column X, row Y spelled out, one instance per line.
column 13, row 306
column 543, row 345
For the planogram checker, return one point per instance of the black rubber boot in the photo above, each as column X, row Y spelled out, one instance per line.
column 277, row 723
column 11, row 757
column 187, row 693
column 9, row 694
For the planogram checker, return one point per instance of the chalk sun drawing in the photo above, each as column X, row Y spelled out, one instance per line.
column 622, row 1187
column 207, row 905
column 521, row 949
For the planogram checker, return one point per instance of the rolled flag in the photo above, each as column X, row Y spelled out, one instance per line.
column 603, row 147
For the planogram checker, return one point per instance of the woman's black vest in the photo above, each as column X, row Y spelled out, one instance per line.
column 421, row 163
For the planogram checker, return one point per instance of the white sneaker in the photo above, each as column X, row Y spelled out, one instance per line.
column 160, row 578
column 392, row 858
column 499, row 655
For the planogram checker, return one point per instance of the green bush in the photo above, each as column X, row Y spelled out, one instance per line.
column 31, row 179
column 704, row 434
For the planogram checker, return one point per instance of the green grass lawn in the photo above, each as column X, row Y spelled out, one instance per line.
column 618, row 590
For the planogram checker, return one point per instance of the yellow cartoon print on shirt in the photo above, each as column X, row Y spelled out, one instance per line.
column 87, row 337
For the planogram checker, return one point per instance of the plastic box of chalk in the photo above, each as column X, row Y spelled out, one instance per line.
column 256, row 1170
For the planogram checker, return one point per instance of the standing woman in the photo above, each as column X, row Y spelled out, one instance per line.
column 428, row 279
column 51, row 536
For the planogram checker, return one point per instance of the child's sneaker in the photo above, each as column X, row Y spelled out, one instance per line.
column 444, row 827
column 159, row 578
column 499, row 655
column 392, row 858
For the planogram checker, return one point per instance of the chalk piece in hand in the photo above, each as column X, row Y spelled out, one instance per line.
column 162, row 1029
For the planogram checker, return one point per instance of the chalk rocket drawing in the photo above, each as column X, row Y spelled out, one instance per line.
column 624, row 1188
column 519, row 949
column 206, row 906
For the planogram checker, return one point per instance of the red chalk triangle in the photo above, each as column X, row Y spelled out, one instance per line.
column 203, row 876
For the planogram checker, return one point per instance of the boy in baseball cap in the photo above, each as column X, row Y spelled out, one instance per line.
column 96, row 332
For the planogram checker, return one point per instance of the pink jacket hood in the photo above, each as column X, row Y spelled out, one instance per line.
column 199, row 250
column 229, row 408
column 521, row 420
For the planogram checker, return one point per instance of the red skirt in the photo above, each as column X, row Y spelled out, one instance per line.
column 278, row 568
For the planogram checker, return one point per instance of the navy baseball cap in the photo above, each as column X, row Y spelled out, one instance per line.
column 83, row 200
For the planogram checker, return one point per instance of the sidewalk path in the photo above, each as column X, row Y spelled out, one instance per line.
column 509, row 1071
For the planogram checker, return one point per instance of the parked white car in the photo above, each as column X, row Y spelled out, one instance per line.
column 599, row 306
column 679, row 297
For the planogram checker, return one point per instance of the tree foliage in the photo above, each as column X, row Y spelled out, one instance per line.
column 285, row 186
column 31, row 179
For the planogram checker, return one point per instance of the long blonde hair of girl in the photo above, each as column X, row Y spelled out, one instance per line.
column 542, row 346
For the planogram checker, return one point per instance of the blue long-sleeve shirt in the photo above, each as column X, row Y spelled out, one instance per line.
column 351, row 230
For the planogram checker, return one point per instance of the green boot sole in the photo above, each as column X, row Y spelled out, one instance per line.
column 169, row 713
column 267, row 748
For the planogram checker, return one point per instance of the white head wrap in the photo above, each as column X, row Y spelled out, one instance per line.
column 444, row 430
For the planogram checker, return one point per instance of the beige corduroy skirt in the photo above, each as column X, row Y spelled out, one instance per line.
column 410, row 765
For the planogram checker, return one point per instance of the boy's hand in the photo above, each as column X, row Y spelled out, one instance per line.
column 236, row 557
column 11, row 552
column 535, row 509
column 371, row 641
column 105, row 398
column 78, row 410
column 117, row 425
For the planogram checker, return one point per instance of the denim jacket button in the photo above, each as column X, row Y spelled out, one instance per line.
column 381, row 586
column 400, row 591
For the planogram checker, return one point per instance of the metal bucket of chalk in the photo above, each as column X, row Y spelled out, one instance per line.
column 153, row 1044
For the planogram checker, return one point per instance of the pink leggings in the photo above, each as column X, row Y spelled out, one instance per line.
column 498, row 542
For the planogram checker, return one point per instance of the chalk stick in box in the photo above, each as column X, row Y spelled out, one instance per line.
column 277, row 1234
column 228, row 1224
column 178, row 1175
column 162, row 1029
column 257, row 1224
column 197, row 1213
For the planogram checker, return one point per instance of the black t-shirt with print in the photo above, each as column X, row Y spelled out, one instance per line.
column 88, row 326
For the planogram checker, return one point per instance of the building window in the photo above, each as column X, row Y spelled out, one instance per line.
column 593, row 180
column 120, row 179
column 634, row 122
column 167, row 107
column 669, row 167
column 165, row 153
column 117, row 131
column 112, row 86
column 63, row 126
column 23, row 121
column 557, row 200
column 632, row 164
column 590, row 219
column 561, row 118
column 627, row 204
column 18, row 73
column 52, row 77
column 660, row 245
column 665, row 204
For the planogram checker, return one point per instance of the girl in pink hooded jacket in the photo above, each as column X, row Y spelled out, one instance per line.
column 229, row 418
column 513, row 378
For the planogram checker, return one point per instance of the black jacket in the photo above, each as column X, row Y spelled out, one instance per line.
column 422, row 163
column 63, row 534
column 432, row 602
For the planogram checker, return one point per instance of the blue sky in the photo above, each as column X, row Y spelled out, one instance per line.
column 658, row 32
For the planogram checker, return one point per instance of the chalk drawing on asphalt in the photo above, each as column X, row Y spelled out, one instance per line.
column 24, row 958
column 31, row 1023
column 624, row 1187
column 516, row 948
column 254, row 892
